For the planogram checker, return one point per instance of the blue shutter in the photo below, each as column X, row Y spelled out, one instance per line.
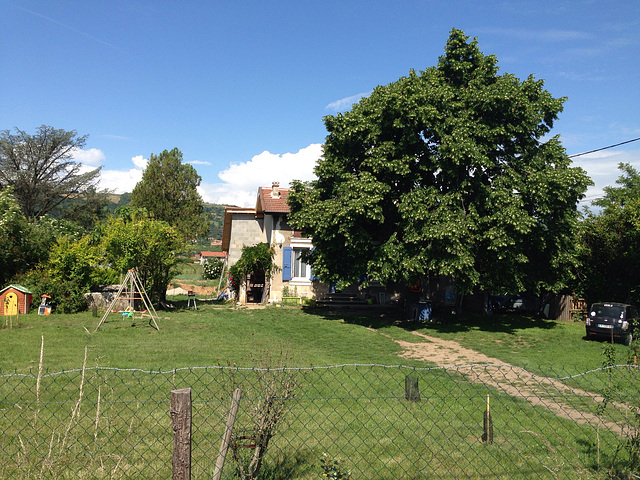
column 286, row 264
column 312, row 277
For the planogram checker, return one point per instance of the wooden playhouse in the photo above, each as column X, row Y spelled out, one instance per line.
column 15, row 299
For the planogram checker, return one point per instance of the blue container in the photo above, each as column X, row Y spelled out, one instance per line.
column 422, row 312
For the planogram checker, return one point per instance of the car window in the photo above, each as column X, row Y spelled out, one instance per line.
column 633, row 312
column 605, row 310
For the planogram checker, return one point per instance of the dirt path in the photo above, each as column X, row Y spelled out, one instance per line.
column 515, row 381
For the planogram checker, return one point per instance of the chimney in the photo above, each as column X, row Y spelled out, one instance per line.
column 275, row 190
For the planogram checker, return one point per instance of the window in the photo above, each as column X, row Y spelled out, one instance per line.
column 300, row 269
column 294, row 268
column 607, row 310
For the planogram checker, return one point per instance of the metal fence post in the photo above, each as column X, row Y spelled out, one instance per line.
column 181, row 423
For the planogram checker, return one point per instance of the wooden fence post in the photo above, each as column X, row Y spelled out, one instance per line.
column 487, row 425
column 181, row 423
column 228, row 433
column 411, row 390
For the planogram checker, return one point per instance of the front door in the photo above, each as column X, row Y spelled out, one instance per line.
column 11, row 304
column 255, row 287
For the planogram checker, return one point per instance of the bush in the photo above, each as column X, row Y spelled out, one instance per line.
column 212, row 269
column 74, row 266
column 254, row 259
column 67, row 295
column 333, row 469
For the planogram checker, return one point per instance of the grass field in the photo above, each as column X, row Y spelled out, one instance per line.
column 353, row 413
column 218, row 334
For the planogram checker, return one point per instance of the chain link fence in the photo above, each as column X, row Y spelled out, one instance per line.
column 349, row 421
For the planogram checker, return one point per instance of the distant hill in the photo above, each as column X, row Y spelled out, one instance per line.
column 118, row 200
column 215, row 211
column 216, row 219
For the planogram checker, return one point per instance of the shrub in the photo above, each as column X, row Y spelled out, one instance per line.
column 256, row 258
column 333, row 469
column 212, row 269
column 74, row 266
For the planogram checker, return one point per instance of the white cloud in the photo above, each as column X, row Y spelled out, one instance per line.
column 92, row 157
column 602, row 167
column 241, row 181
column 198, row 162
column 346, row 103
column 122, row 181
column 139, row 161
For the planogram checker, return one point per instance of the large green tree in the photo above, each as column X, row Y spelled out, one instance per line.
column 41, row 169
column 611, row 243
column 447, row 171
column 168, row 190
column 133, row 240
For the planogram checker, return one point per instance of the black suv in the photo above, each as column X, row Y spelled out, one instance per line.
column 612, row 320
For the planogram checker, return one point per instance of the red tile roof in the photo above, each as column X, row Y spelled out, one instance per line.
column 267, row 203
column 213, row 254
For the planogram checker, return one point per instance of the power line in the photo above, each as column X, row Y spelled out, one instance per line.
column 604, row 148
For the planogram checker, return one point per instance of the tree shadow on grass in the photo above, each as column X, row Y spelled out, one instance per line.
column 497, row 323
column 370, row 319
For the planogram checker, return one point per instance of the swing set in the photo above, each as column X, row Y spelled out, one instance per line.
column 131, row 290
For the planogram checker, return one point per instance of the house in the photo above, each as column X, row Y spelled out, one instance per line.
column 15, row 299
column 204, row 256
column 267, row 223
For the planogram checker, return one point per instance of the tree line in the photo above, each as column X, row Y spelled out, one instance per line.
column 56, row 232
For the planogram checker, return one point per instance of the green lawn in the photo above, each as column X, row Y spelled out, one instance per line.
column 213, row 335
column 354, row 413
column 217, row 334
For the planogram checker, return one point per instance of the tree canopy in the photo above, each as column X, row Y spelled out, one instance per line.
column 41, row 169
column 13, row 227
column 25, row 244
column 447, row 171
column 627, row 190
column 168, row 191
column 133, row 240
column 611, row 243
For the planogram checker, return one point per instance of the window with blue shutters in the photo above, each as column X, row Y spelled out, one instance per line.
column 294, row 268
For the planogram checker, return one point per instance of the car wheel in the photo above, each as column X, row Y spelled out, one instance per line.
column 628, row 339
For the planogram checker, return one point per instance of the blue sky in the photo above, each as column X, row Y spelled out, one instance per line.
column 241, row 87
